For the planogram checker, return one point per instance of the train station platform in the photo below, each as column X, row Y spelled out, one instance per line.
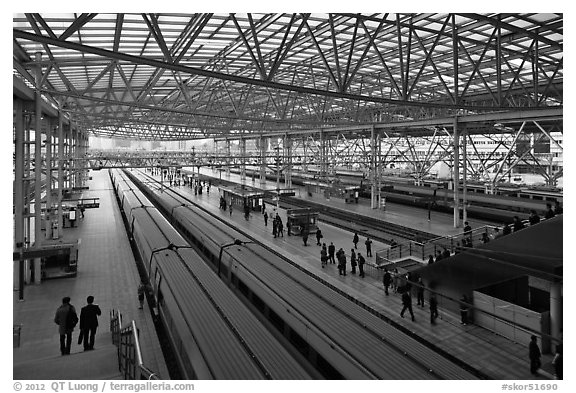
column 107, row 271
column 441, row 224
column 493, row 355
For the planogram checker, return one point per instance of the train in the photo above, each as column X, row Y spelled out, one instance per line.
column 506, row 201
column 212, row 334
column 338, row 337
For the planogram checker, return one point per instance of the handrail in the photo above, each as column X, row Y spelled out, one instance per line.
column 130, row 360
column 430, row 247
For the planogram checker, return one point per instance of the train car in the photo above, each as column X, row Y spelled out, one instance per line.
column 340, row 338
column 212, row 333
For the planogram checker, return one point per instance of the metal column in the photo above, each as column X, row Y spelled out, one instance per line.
column 374, row 199
column 19, row 266
column 228, row 158
column 49, row 213
column 243, row 160
column 38, row 169
column 456, row 174
column 60, row 168
column 464, row 175
column 556, row 310
column 288, row 161
column 263, row 148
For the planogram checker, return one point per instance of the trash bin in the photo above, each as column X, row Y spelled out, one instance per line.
column 16, row 335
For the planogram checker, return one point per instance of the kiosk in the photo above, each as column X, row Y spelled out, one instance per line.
column 298, row 219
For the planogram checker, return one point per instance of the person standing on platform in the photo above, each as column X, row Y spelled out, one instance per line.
column 467, row 229
column 386, row 280
column 318, row 237
column 265, row 219
column 464, row 310
column 305, row 233
column 368, row 243
column 433, row 308
column 280, row 226
column 288, row 225
column 361, row 262
column 395, row 279
column 534, row 354
column 557, row 362
column 407, row 304
column 355, row 240
column 353, row 261
column 430, row 259
column 534, row 217
column 89, row 322
column 420, row 293
column 66, row 319
column 517, row 224
column 230, row 208
column 323, row 256
column 331, row 251
column 549, row 211
column 275, row 228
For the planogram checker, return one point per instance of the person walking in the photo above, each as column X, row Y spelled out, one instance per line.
column 89, row 322
column 433, row 308
column 318, row 236
column 265, row 218
column 230, row 208
column 368, row 243
column 288, row 225
column 386, row 280
column 275, row 228
column 331, row 251
column 534, row 355
column 407, row 304
column 353, row 260
column 361, row 262
column 66, row 319
column 305, row 235
column 395, row 279
column 355, row 240
column 141, row 293
column 420, row 292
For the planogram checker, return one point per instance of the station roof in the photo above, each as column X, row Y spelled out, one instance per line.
column 190, row 76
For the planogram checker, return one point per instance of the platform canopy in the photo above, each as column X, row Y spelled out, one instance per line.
column 191, row 76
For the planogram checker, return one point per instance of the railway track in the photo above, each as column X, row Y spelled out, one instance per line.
column 374, row 228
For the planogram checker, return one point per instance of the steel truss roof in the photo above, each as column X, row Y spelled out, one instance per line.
column 187, row 76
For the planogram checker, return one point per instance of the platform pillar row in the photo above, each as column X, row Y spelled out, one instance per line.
column 19, row 266
column 456, row 174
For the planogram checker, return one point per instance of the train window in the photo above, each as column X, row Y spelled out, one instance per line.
column 258, row 303
column 243, row 288
column 299, row 343
column 276, row 320
column 537, row 197
column 524, row 196
column 326, row 368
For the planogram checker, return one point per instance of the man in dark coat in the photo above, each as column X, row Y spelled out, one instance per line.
column 305, row 233
column 368, row 243
column 89, row 322
column 534, row 354
column 407, row 304
column 386, row 280
column 355, row 240
column 361, row 262
column 66, row 319
column 331, row 251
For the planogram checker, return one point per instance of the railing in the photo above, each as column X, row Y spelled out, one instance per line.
column 431, row 247
column 130, row 361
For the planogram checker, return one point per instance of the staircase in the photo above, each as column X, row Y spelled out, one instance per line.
column 42, row 360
